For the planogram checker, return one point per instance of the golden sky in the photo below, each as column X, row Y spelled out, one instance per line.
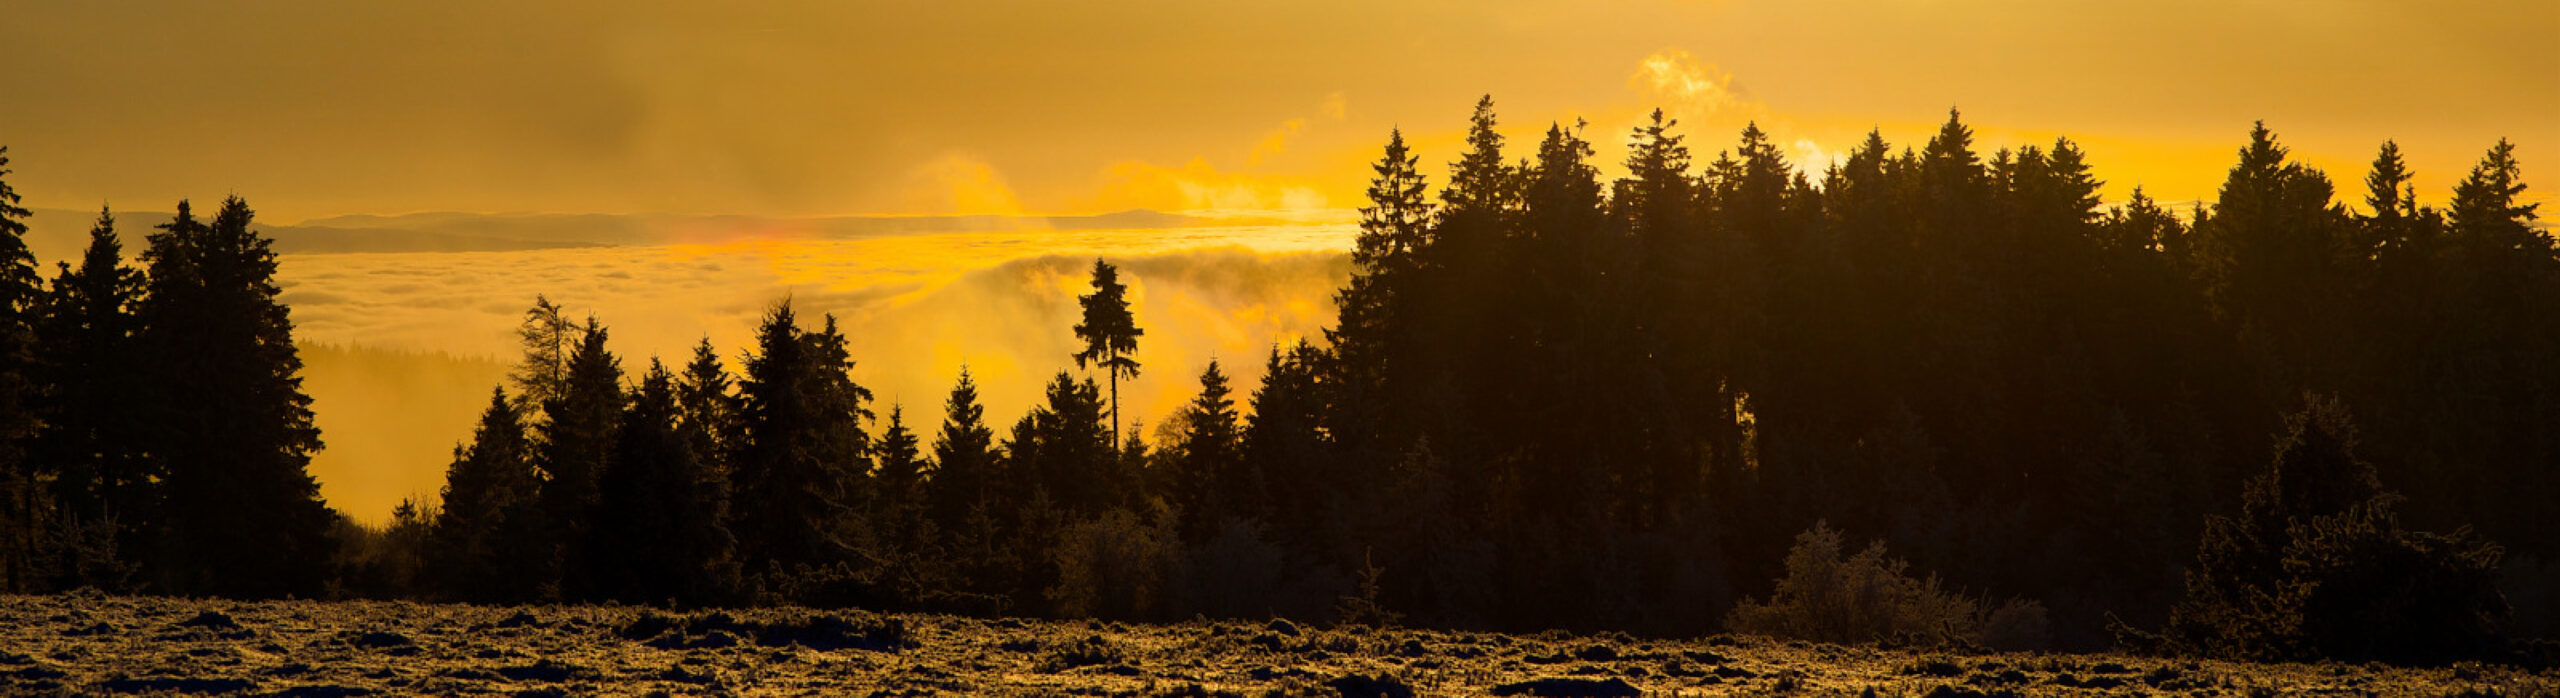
column 777, row 110
column 825, row 107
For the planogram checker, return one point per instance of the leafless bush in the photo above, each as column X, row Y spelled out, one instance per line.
column 1867, row 597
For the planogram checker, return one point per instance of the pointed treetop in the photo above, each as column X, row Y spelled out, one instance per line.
column 2490, row 191
column 1479, row 180
column 2384, row 186
column 12, row 216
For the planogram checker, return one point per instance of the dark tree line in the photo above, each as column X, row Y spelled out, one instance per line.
column 153, row 431
column 1549, row 401
column 1553, row 401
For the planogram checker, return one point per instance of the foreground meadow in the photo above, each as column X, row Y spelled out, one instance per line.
column 92, row 644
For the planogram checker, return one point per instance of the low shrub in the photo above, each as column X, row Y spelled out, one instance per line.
column 2016, row 626
column 1867, row 597
column 1114, row 566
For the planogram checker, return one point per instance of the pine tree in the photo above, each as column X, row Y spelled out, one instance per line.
column 1654, row 198
column 91, row 446
column 576, row 449
column 2276, row 257
column 1387, row 260
column 804, row 451
column 1480, row 182
column 1562, row 198
column 1110, row 334
column 2392, row 202
column 1286, row 445
column 1068, row 453
column 964, row 457
column 1211, row 483
column 22, row 501
column 243, row 516
column 2490, row 221
column 708, row 413
column 657, row 533
column 485, row 542
column 901, row 465
column 2140, row 225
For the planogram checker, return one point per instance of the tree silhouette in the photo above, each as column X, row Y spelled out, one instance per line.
column 657, row 533
column 1211, row 481
column 1386, row 260
column 1110, row 334
column 1545, row 402
column 964, row 495
column 549, row 339
column 1480, row 181
column 487, row 543
column 901, row 464
column 91, row 446
column 22, row 505
column 575, row 452
column 242, row 515
column 1287, row 445
column 2316, row 565
column 964, row 457
column 2393, row 202
column 804, row 448
column 2488, row 217
column 1064, row 450
column 708, row 412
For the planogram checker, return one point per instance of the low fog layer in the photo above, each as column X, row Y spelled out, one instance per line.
column 403, row 347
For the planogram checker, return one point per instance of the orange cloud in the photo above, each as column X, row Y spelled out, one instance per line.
column 1276, row 142
column 1198, row 185
column 960, row 184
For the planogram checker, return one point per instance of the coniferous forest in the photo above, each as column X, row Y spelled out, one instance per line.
column 1930, row 394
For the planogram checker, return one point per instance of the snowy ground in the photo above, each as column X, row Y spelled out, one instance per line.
column 87, row 644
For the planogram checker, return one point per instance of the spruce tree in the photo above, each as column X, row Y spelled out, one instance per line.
column 2390, row 227
column 22, row 501
column 964, row 457
column 91, row 445
column 1654, row 199
column 1110, row 334
column 804, row 451
column 242, row 515
column 484, row 543
column 708, row 413
column 1387, row 259
column 1480, row 181
column 576, row 449
column 2493, row 225
column 657, row 534
column 1211, row 484
column 901, row 464
column 1286, row 445
column 2277, row 256
column 1069, row 454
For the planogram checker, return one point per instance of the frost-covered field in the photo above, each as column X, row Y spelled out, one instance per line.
column 76, row 644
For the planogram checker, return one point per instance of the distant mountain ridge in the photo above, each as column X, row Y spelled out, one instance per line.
column 58, row 234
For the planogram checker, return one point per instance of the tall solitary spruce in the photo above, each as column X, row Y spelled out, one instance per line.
column 1110, row 334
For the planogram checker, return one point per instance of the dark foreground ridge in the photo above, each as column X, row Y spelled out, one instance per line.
column 89, row 643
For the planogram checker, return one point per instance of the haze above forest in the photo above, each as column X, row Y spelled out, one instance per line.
column 319, row 109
